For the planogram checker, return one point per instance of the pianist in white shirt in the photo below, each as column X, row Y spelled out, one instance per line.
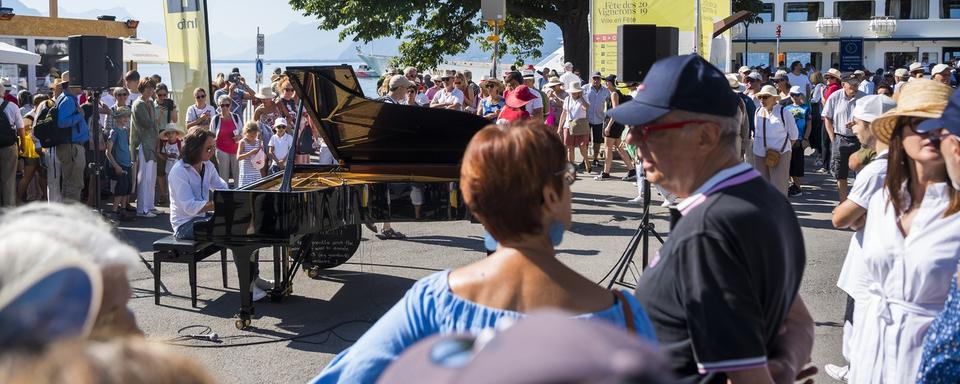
column 191, row 181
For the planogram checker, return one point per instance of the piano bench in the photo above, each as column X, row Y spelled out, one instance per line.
column 171, row 250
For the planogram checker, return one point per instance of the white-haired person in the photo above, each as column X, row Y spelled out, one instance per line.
column 773, row 138
column 226, row 127
column 37, row 234
column 192, row 180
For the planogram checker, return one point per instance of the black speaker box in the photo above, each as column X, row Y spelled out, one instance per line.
column 95, row 61
column 114, row 63
column 640, row 45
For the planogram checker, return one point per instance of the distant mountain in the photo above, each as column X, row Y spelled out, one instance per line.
column 21, row 9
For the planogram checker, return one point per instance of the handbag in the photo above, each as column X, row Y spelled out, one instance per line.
column 580, row 127
column 772, row 158
column 259, row 159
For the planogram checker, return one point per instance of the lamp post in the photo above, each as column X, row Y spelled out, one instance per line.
column 746, row 43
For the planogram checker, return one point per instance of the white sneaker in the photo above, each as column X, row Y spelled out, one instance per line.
column 263, row 284
column 636, row 200
column 156, row 211
column 258, row 294
column 147, row 214
column 665, row 203
column 837, row 372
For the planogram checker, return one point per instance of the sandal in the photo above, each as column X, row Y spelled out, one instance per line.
column 390, row 234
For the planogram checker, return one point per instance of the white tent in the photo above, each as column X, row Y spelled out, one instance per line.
column 10, row 54
column 553, row 61
column 143, row 52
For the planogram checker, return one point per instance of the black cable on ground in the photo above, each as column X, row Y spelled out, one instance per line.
column 178, row 341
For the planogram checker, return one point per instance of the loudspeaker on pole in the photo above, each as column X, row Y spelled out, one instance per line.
column 96, row 62
column 640, row 45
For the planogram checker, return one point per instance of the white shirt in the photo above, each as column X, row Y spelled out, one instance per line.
column 869, row 181
column 574, row 109
column 281, row 145
column 194, row 113
column 801, row 80
column 134, row 96
column 13, row 115
column 189, row 193
column 535, row 103
column 866, row 86
column 445, row 97
column 569, row 77
column 777, row 130
column 816, row 96
column 909, row 283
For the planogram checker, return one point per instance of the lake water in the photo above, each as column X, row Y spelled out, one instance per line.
column 248, row 70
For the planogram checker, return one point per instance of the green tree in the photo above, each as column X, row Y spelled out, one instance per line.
column 753, row 6
column 432, row 30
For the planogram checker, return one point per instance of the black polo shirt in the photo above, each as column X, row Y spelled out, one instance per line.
column 722, row 284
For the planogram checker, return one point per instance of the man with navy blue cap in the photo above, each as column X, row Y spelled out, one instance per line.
column 726, row 281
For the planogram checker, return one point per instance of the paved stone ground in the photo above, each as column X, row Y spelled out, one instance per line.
column 380, row 272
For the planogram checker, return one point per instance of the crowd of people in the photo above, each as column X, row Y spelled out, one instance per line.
column 718, row 303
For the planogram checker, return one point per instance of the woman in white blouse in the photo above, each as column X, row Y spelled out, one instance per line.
column 774, row 133
column 911, row 242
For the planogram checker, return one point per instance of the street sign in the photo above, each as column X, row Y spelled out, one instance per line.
column 259, row 43
column 851, row 54
column 779, row 30
column 259, row 66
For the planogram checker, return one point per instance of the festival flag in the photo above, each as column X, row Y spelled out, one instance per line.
column 188, row 50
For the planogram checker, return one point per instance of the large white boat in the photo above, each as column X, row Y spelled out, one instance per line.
column 375, row 63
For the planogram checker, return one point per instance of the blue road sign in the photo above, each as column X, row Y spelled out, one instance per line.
column 259, row 66
column 851, row 54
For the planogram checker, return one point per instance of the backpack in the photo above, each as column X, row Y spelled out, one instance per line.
column 47, row 129
column 8, row 136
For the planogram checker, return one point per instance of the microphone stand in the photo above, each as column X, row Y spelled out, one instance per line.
column 96, row 166
column 642, row 236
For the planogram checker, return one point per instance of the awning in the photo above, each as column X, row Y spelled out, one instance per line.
column 10, row 54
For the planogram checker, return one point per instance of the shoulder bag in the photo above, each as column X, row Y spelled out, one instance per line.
column 772, row 157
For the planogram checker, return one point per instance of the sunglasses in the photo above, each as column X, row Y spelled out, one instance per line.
column 491, row 86
column 225, row 105
column 288, row 89
column 934, row 136
column 161, row 95
column 209, row 149
column 645, row 130
column 201, row 96
column 569, row 173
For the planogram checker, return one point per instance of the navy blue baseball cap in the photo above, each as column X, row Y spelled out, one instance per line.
column 949, row 120
column 687, row 83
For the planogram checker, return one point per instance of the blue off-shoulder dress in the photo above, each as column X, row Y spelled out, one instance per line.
column 941, row 347
column 429, row 308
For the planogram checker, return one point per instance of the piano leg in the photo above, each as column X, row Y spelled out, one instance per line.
column 281, row 286
column 242, row 256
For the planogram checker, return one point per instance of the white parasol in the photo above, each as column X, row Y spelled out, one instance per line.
column 10, row 54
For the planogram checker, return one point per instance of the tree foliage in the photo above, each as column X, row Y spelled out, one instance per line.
column 432, row 30
column 753, row 6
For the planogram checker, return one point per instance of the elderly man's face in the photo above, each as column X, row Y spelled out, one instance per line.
column 667, row 156
column 595, row 82
column 115, row 319
column 411, row 74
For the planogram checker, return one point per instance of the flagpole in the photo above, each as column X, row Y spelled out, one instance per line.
column 206, row 30
column 697, row 34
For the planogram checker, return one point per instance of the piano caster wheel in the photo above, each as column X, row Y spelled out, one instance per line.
column 313, row 273
column 242, row 324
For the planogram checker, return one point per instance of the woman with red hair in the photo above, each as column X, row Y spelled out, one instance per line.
column 516, row 181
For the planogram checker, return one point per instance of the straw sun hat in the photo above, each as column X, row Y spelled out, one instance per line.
column 919, row 98
column 768, row 90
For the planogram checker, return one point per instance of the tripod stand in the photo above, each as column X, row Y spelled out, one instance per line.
column 642, row 236
column 95, row 165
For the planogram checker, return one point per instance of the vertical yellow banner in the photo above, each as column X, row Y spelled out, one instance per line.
column 607, row 15
column 187, row 50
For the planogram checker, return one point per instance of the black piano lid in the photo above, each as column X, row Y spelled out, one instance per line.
column 359, row 130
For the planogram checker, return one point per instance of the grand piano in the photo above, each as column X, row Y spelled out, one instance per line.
column 311, row 214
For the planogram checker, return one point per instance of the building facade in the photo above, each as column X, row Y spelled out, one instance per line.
column 895, row 33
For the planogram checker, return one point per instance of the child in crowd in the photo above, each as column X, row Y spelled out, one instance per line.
column 169, row 130
column 121, row 164
column 250, row 154
column 31, row 159
column 280, row 145
column 169, row 146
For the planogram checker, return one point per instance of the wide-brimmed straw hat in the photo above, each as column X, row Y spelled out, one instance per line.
column 834, row 73
column 266, row 92
column 919, row 98
column 768, row 90
column 734, row 83
column 171, row 128
column 574, row 87
column 554, row 81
